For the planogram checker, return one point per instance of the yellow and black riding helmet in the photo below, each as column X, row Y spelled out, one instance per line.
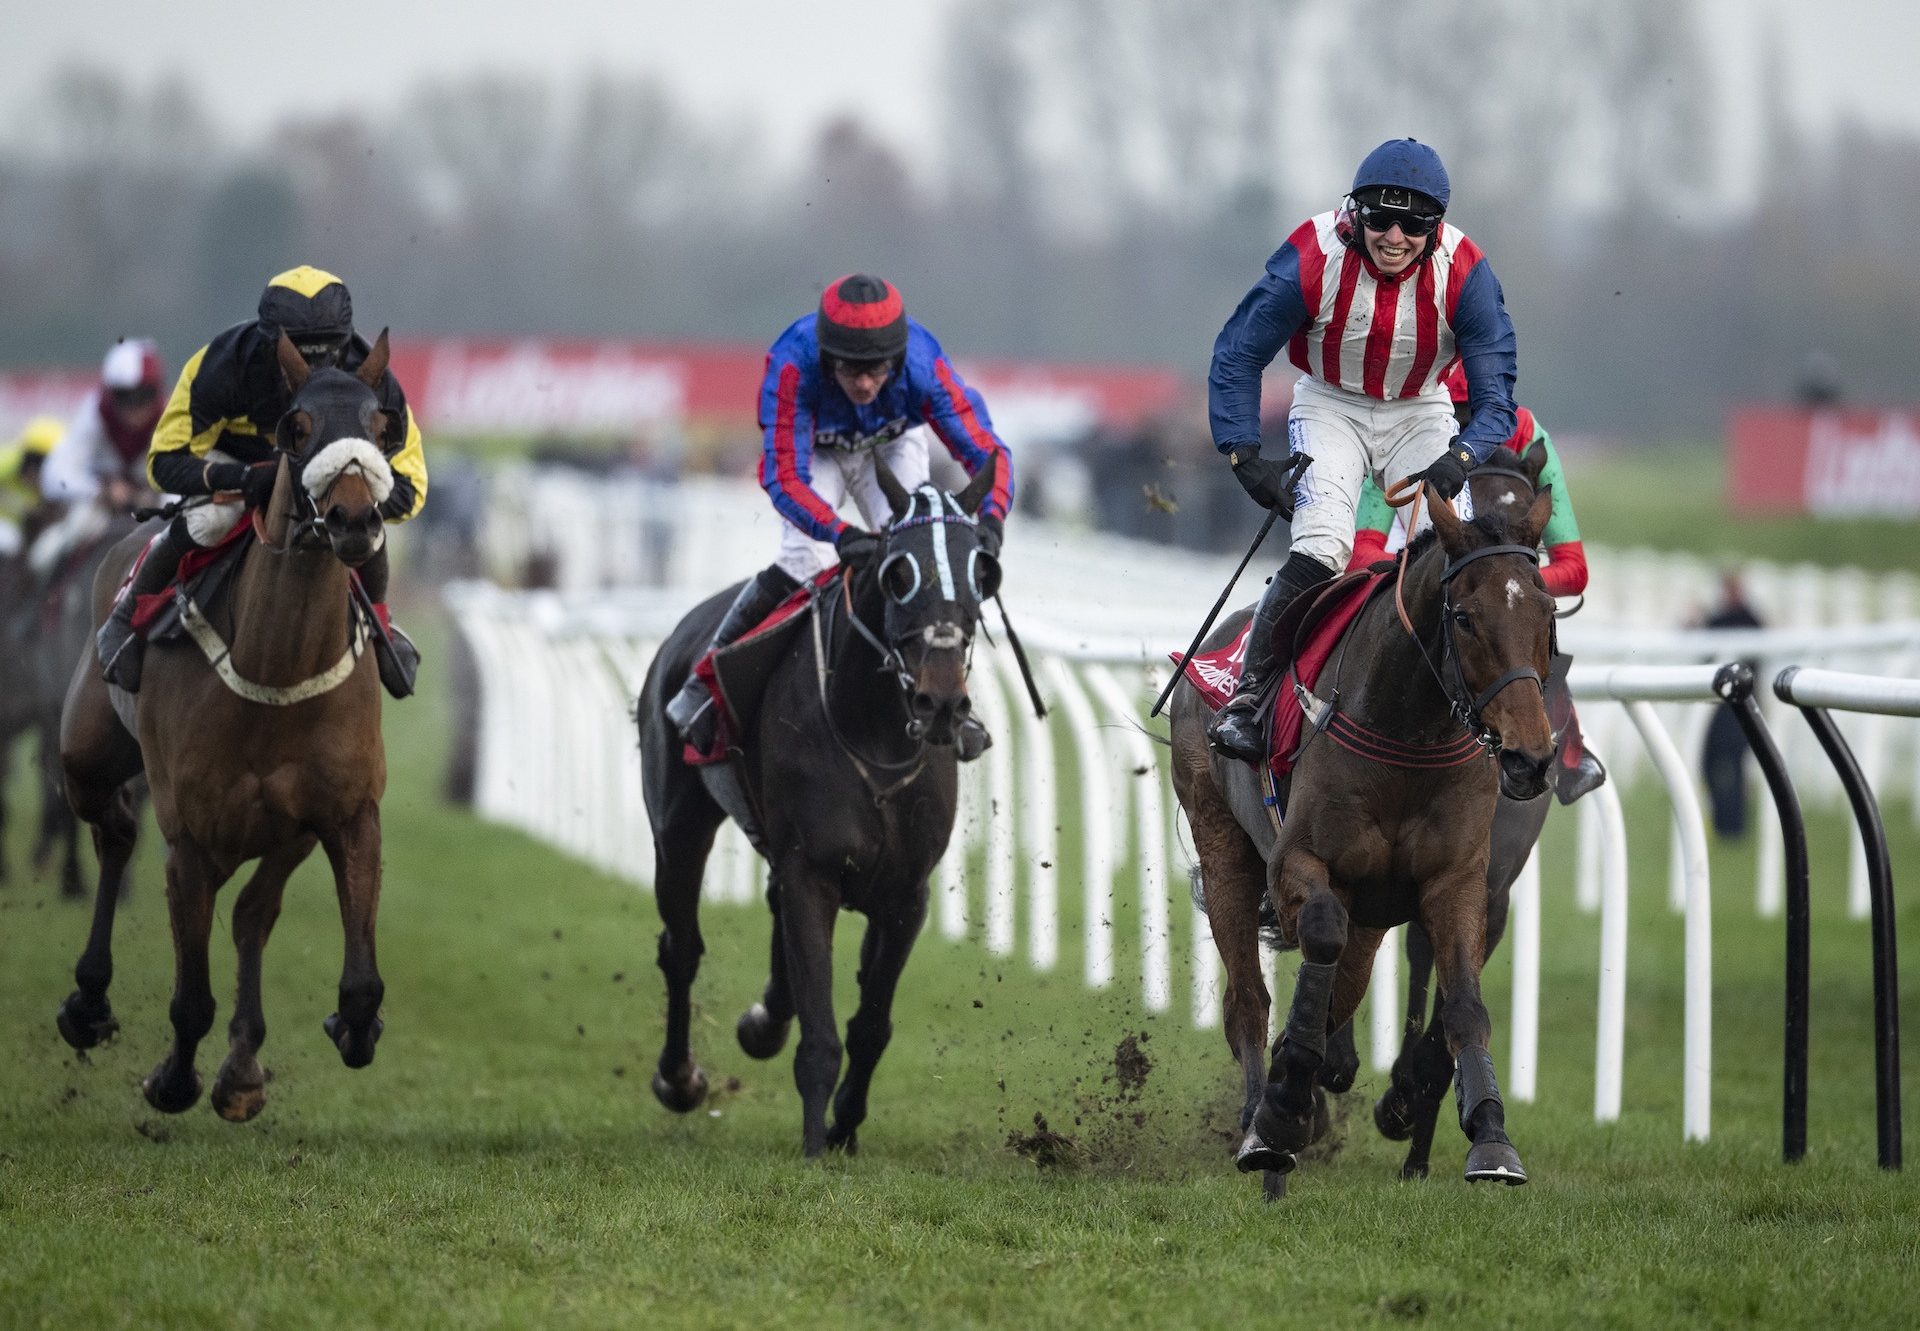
column 312, row 308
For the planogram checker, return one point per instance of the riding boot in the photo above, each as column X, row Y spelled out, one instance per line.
column 393, row 651
column 1236, row 730
column 691, row 709
column 120, row 648
column 972, row 739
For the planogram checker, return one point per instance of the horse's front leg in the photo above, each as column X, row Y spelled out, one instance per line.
column 808, row 908
column 1283, row 1124
column 86, row 1017
column 354, row 850
column 240, row 1087
column 883, row 955
column 192, row 880
column 1455, row 910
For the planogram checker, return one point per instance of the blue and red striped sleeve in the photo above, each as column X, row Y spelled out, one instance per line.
column 960, row 418
column 1268, row 316
column 1483, row 339
column 786, row 458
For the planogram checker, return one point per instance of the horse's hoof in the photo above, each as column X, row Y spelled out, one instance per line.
column 1285, row 1132
column 847, row 1143
column 684, row 1095
column 237, row 1104
column 1256, row 1156
column 171, row 1094
column 1393, row 1115
column 1413, row 1169
column 760, row 1035
column 355, row 1046
column 1273, row 1186
column 1495, row 1162
column 84, row 1025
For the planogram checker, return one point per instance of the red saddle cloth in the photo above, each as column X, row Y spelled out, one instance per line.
column 194, row 562
column 1215, row 674
column 705, row 671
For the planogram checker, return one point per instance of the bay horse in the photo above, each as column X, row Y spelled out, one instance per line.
column 258, row 751
column 1365, row 845
column 846, row 781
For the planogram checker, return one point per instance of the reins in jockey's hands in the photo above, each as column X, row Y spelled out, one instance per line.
column 1268, row 483
column 1448, row 474
column 257, row 486
column 856, row 546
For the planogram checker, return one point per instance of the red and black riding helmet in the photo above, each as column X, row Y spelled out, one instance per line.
column 861, row 318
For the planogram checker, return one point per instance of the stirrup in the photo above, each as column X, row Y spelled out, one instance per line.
column 398, row 660
column 1236, row 732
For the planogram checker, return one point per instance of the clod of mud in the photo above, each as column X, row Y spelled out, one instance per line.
column 1131, row 1066
column 1046, row 1148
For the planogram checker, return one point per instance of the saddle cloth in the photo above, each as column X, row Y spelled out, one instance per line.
column 736, row 675
column 1315, row 623
column 155, row 615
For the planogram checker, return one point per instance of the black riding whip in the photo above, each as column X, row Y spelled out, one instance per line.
column 1180, row 667
column 1020, row 655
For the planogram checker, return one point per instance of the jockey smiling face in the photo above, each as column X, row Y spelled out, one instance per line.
column 1397, row 225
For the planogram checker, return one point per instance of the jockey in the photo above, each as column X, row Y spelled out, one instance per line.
column 844, row 385
column 1374, row 302
column 22, row 463
column 1381, row 529
column 215, row 439
column 104, row 453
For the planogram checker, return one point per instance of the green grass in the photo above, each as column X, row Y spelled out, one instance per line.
column 1674, row 498
column 502, row 1163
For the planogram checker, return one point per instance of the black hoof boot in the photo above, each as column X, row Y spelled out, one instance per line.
column 355, row 1045
column 684, row 1093
column 1255, row 1156
column 83, row 1023
column 1495, row 1162
column 759, row 1034
column 170, row 1092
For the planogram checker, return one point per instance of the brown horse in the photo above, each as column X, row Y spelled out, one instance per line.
column 1366, row 845
column 259, row 751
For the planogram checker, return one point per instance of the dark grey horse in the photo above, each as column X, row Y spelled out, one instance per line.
column 845, row 780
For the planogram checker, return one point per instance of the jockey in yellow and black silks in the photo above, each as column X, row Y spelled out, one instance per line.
column 216, row 438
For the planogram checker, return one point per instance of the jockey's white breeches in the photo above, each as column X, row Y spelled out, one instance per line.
column 838, row 474
column 82, row 522
column 209, row 522
column 1351, row 436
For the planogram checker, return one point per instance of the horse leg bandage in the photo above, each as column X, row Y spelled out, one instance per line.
column 1475, row 1086
column 1307, row 1017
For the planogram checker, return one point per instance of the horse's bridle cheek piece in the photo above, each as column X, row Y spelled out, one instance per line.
column 1467, row 707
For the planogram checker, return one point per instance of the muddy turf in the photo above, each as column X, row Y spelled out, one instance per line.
column 1036, row 1155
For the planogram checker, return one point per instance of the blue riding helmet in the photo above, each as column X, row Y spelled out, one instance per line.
column 1404, row 164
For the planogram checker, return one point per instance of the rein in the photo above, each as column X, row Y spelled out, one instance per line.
column 823, row 604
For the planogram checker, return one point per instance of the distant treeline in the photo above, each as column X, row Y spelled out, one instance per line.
column 1111, row 178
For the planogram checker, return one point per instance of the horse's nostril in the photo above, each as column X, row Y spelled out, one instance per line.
column 964, row 708
column 923, row 704
column 336, row 517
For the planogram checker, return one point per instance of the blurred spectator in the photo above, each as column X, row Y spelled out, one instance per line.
column 1819, row 386
column 1723, row 759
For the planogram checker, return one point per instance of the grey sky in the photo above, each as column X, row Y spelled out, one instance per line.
column 782, row 64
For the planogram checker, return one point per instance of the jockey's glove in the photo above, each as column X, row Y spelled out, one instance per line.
column 1269, row 483
column 258, row 485
column 993, row 531
column 856, row 546
column 1448, row 474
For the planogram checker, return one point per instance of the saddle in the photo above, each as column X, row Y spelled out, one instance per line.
column 736, row 675
column 1305, row 638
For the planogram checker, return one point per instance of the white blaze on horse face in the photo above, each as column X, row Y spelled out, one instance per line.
column 941, row 562
column 1513, row 592
column 1509, row 497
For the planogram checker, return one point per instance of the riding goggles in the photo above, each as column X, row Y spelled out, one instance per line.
column 1411, row 224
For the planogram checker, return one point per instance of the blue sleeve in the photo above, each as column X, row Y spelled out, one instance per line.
column 1270, row 314
column 959, row 416
column 787, row 395
column 1483, row 335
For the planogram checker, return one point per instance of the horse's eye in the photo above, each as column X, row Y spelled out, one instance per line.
column 1465, row 621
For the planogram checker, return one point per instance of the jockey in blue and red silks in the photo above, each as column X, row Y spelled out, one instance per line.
column 844, row 385
column 1374, row 302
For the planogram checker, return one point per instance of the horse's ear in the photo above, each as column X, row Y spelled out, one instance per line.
column 375, row 364
column 1447, row 524
column 292, row 364
column 979, row 487
column 1534, row 461
column 897, row 497
column 1536, row 519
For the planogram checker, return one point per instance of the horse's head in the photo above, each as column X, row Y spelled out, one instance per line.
column 1497, row 623
column 1507, row 482
column 331, row 437
column 934, row 576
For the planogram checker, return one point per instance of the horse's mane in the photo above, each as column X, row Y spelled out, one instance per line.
column 1493, row 526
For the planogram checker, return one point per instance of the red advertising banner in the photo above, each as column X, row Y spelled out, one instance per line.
column 1828, row 463
column 56, row 393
